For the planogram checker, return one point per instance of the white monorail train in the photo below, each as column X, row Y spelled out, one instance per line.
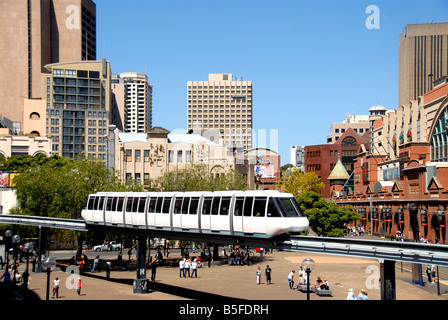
column 234, row 213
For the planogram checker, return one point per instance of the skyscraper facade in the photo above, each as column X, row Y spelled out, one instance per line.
column 78, row 107
column 423, row 58
column 36, row 33
column 133, row 98
column 222, row 109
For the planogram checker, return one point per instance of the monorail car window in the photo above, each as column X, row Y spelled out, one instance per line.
column 185, row 204
column 114, row 203
column 120, row 204
column 152, row 205
column 215, row 206
column 248, row 206
column 225, row 204
column 109, row 204
column 141, row 204
column 288, row 207
column 166, row 205
column 129, row 204
column 90, row 203
column 101, row 204
column 273, row 209
column 206, row 205
column 95, row 205
column 239, row 202
column 159, row 205
column 177, row 205
column 135, row 205
column 259, row 207
column 194, row 205
column 297, row 207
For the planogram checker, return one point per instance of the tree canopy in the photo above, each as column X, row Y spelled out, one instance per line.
column 325, row 218
column 59, row 187
column 296, row 181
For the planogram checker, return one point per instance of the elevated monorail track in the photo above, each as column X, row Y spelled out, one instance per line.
column 413, row 252
column 353, row 247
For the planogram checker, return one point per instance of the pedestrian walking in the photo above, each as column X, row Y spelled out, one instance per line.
column 268, row 272
column 258, row 275
column 428, row 273
column 291, row 279
column 433, row 273
column 95, row 263
column 108, row 268
column 153, row 266
column 56, row 283
column 79, row 286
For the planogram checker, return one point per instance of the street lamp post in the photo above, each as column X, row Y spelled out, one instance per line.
column 308, row 264
column 15, row 241
column 28, row 248
column 8, row 234
column 49, row 263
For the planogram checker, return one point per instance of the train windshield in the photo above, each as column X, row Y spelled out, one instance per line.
column 290, row 207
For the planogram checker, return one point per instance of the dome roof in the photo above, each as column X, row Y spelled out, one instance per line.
column 338, row 172
column 377, row 108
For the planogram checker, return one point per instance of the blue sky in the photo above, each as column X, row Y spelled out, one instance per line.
column 311, row 62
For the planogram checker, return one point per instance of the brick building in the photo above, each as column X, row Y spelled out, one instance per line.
column 321, row 159
column 401, row 183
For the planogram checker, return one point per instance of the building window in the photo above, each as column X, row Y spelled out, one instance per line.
column 146, row 156
column 188, row 156
column 137, row 155
column 439, row 139
column 179, row 156
column 146, row 180
column 171, row 156
column 128, row 155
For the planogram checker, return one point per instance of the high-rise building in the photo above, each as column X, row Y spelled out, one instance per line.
column 221, row 108
column 78, row 107
column 298, row 157
column 358, row 123
column 133, row 98
column 36, row 33
column 423, row 58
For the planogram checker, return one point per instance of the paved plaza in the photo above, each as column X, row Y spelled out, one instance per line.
column 223, row 281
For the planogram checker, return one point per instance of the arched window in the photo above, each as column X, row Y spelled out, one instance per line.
column 439, row 142
column 34, row 116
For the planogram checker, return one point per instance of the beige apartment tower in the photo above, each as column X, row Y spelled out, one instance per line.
column 423, row 58
column 78, row 105
column 221, row 109
column 132, row 102
column 36, row 33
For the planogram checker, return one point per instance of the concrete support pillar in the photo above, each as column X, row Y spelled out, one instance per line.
column 388, row 291
column 141, row 281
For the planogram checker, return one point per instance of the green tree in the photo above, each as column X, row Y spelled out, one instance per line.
column 325, row 218
column 296, row 181
column 197, row 178
column 60, row 189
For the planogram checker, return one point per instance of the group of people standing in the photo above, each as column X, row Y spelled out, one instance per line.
column 267, row 273
column 185, row 265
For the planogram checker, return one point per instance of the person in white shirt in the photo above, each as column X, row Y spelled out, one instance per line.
column 194, row 267
column 181, row 267
column 291, row 279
